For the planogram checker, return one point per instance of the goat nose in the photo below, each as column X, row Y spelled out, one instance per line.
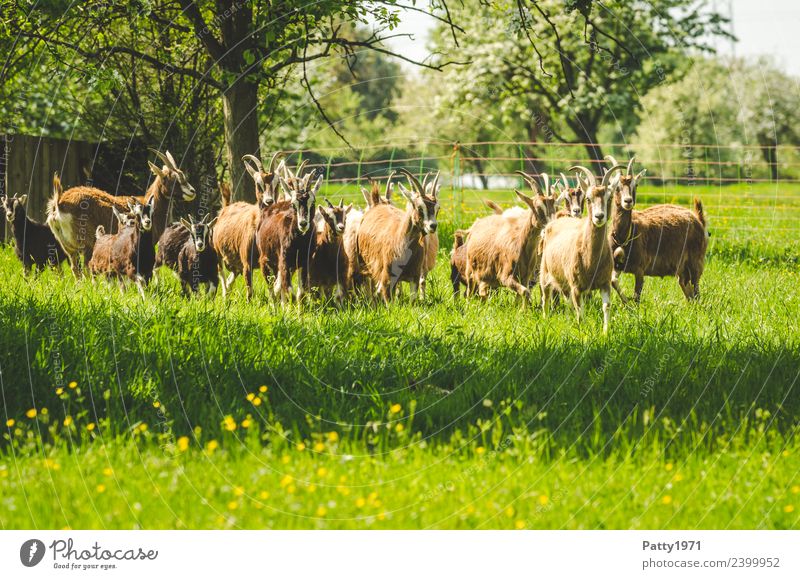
column 599, row 216
column 432, row 227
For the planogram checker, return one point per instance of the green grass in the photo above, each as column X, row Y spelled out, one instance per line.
column 684, row 416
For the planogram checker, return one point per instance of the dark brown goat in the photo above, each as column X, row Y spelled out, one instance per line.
column 286, row 233
column 328, row 268
column 197, row 261
column 35, row 245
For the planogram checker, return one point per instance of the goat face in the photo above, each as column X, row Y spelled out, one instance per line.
column 124, row 219
column 542, row 207
column 303, row 199
column 574, row 197
column 424, row 201
column 627, row 190
column 10, row 205
column 335, row 216
column 200, row 233
column 144, row 213
column 172, row 176
column 266, row 180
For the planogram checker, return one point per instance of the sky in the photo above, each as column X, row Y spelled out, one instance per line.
column 763, row 27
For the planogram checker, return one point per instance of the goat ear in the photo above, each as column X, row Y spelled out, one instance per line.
column 22, row 200
column 641, row 174
column 213, row 221
column 156, row 170
column 348, row 208
column 317, row 185
column 525, row 199
column 186, row 224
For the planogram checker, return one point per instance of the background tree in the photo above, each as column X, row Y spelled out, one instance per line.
column 568, row 69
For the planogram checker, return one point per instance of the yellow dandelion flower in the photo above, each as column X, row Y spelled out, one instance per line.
column 73, row 385
column 263, row 495
column 322, row 471
column 678, row 477
column 333, row 436
column 342, row 478
column 246, row 423
column 470, row 509
column 262, row 389
column 480, row 450
column 257, row 401
column 510, row 512
column 319, row 447
column 108, row 471
column 68, row 421
column 291, row 489
column 785, row 453
column 183, row 443
column 343, row 490
column 212, row 446
column 395, row 408
column 796, row 489
column 788, row 509
column 10, row 422
column 321, row 511
column 233, row 505
column 543, row 500
column 229, row 423
column 59, row 391
column 156, row 404
column 250, row 396
column 668, row 466
column 360, row 502
column 285, row 459
column 238, row 491
column 301, row 447
column 51, row 464
column 286, row 480
column 31, row 413
column 44, row 411
column 101, row 488
column 312, row 488
column 399, row 427
column 142, row 427
column 90, row 426
column 519, row 525
column 381, row 516
column 666, row 500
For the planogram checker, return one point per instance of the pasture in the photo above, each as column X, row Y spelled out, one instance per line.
column 172, row 413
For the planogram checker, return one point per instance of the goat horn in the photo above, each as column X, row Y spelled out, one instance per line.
column 274, row 158
column 172, row 160
column 630, row 166
column 413, row 180
column 589, row 175
column 301, row 167
column 341, row 203
column 546, row 179
column 610, row 172
column 425, row 182
column 611, row 160
column 388, row 190
column 161, row 156
column 328, row 202
column 255, row 160
column 435, row 184
column 564, row 180
column 530, row 181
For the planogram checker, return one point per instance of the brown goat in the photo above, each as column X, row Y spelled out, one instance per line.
column 576, row 254
column 574, row 198
column 458, row 260
column 660, row 241
column 373, row 196
column 502, row 250
column 390, row 241
column 74, row 214
column 328, row 264
column 266, row 181
column 286, row 234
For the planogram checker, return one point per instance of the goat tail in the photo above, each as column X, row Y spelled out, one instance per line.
column 52, row 204
column 225, row 191
column 698, row 210
column 459, row 237
column 493, row 206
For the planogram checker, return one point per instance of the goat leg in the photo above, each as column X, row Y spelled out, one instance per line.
column 637, row 287
column 605, row 294
column 616, row 286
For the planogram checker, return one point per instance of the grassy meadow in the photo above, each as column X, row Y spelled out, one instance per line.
column 174, row 413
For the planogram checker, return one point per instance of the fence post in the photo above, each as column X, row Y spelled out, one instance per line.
column 391, row 159
column 455, row 170
column 360, row 160
column 521, row 159
column 328, row 173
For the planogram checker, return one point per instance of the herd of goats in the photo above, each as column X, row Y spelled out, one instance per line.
column 338, row 250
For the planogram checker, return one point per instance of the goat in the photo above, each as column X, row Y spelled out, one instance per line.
column 197, row 261
column 328, row 263
column 501, row 250
column 458, row 259
column 576, row 254
column 234, row 238
column 660, row 241
column 100, row 263
column 35, row 245
column 390, row 245
column 74, row 214
column 131, row 255
column 574, row 198
column 286, row 233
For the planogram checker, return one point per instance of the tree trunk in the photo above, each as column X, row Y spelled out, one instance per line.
column 588, row 132
column 770, row 153
column 240, row 113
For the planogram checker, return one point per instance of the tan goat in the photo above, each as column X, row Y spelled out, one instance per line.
column 576, row 254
